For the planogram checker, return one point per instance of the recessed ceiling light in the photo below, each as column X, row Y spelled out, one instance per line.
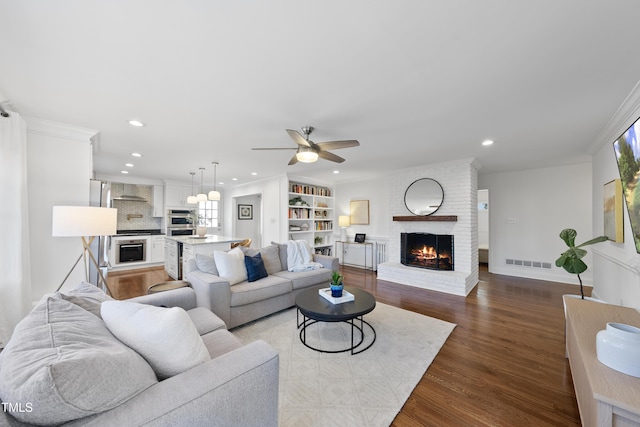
column 129, row 165
column 254, row 173
column 221, row 183
column 234, row 179
column 487, row 142
column 125, row 172
column 336, row 171
column 136, row 154
column 136, row 123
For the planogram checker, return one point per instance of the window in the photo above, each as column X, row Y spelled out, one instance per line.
column 208, row 213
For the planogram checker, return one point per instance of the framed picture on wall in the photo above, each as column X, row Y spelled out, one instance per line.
column 245, row 211
column 359, row 212
column 613, row 226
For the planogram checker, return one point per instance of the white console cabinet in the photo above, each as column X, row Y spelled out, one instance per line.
column 605, row 396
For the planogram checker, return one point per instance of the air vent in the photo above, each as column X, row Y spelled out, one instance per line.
column 525, row 263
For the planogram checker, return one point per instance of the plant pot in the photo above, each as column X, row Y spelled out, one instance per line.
column 201, row 231
column 618, row 347
column 336, row 290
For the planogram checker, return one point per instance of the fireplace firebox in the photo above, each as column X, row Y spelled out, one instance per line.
column 425, row 250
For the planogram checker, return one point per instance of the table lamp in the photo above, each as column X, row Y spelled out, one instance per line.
column 343, row 223
column 85, row 222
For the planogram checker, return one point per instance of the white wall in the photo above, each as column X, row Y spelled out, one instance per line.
column 528, row 209
column 59, row 166
column 377, row 192
column 616, row 265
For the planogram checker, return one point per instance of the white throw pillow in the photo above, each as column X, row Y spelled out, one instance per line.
column 165, row 337
column 231, row 265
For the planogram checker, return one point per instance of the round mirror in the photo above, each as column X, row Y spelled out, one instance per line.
column 424, row 196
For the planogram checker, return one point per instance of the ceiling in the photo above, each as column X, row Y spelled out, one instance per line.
column 416, row 82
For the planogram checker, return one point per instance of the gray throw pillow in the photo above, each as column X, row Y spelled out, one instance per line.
column 283, row 254
column 271, row 258
column 87, row 296
column 65, row 362
column 207, row 263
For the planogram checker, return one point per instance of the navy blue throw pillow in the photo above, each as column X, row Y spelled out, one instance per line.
column 255, row 267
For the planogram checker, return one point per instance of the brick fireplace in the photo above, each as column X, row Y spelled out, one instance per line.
column 457, row 218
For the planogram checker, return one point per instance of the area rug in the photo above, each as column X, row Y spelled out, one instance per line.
column 366, row 389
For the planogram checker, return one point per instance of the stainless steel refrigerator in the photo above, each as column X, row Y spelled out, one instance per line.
column 100, row 195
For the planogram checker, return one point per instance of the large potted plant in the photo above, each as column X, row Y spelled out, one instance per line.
column 571, row 259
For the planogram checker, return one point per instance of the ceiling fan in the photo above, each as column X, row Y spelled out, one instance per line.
column 308, row 151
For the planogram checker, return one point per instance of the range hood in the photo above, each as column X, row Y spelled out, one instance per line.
column 130, row 194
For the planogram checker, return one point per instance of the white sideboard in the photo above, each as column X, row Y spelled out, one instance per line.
column 605, row 396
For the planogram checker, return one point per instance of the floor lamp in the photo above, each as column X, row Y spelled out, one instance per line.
column 86, row 222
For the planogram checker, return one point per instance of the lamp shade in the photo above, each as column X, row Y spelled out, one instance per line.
column 192, row 200
column 306, row 155
column 214, row 195
column 343, row 221
column 78, row 221
column 201, row 197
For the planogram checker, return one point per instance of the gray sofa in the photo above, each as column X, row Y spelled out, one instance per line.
column 62, row 366
column 243, row 302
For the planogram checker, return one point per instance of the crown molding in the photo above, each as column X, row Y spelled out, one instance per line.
column 625, row 115
column 60, row 130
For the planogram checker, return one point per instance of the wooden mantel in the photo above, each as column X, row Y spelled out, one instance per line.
column 426, row 218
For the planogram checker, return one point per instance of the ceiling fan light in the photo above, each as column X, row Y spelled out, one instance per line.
column 214, row 195
column 306, row 155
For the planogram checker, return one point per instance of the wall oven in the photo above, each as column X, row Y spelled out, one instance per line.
column 130, row 250
column 181, row 231
column 180, row 222
column 180, row 218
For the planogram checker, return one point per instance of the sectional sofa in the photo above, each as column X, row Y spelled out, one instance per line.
column 82, row 359
column 237, row 300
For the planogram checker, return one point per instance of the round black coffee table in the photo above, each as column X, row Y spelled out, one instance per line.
column 314, row 308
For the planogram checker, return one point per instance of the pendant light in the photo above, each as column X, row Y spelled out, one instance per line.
column 192, row 199
column 213, row 194
column 201, row 197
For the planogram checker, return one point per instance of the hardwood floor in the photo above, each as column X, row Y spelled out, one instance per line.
column 503, row 365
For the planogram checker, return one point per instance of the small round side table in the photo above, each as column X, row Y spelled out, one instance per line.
column 167, row 286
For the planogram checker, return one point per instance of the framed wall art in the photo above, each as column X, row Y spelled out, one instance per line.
column 245, row 211
column 359, row 212
column 613, row 225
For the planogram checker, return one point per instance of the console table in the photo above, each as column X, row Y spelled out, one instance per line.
column 605, row 396
column 363, row 244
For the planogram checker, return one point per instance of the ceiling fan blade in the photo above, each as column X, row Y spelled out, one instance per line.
column 280, row 148
column 334, row 145
column 330, row 156
column 297, row 138
column 293, row 160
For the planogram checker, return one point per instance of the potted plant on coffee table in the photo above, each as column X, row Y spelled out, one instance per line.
column 571, row 259
column 336, row 284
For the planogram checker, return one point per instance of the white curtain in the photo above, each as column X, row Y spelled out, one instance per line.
column 15, row 278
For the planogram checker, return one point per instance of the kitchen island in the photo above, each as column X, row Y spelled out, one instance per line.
column 178, row 250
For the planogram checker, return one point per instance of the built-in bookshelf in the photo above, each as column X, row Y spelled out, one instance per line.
column 311, row 215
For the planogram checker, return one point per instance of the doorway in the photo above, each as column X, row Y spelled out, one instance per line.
column 248, row 218
column 483, row 227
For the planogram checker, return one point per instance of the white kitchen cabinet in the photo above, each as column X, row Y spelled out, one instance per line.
column 176, row 195
column 158, row 201
column 157, row 249
column 171, row 258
